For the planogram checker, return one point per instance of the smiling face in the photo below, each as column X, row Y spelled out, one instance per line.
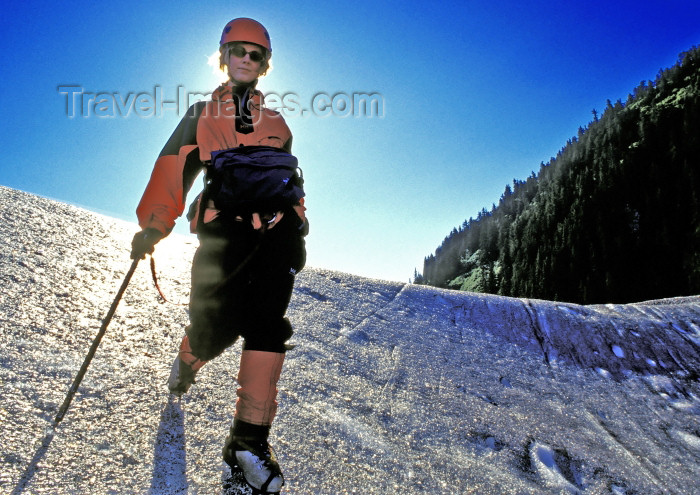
column 246, row 62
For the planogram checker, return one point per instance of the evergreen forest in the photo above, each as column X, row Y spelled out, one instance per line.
column 613, row 218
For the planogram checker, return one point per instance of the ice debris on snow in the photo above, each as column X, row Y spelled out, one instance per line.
column 618, row 351
column 554, row 468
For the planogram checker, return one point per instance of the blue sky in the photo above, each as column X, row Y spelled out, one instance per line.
column 474, row 94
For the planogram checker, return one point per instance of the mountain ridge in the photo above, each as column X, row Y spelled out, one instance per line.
column 612, row 218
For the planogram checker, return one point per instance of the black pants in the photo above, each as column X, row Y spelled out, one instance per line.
column 252, row 303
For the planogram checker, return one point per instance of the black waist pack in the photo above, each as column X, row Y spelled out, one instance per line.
column 250, row 179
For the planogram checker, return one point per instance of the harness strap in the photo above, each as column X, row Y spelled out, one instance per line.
column 155, row 282
column 221, row 284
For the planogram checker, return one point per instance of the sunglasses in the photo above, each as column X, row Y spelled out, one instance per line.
column 240, row 52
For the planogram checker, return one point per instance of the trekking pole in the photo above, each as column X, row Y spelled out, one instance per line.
column 95, row 343
column 50, row 431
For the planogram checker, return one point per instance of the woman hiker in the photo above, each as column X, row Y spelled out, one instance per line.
column 243, row 270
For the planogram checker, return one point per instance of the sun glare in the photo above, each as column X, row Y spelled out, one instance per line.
column 213, row 62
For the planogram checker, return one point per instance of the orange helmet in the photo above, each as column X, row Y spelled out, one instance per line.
column 248, row 31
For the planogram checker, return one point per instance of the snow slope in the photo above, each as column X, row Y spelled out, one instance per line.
column 392, row 388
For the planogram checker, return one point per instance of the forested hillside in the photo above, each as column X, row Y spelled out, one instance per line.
column 614, row 217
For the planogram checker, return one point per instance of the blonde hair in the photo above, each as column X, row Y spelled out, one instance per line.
column 223, row 57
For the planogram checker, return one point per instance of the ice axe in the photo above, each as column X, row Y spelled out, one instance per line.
column 29, row 472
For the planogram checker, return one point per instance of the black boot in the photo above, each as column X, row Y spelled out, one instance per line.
column 247, row 450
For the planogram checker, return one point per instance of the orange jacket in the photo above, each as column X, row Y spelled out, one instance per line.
column 207, row 126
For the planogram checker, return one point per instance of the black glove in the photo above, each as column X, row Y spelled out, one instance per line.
column 143, row 242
